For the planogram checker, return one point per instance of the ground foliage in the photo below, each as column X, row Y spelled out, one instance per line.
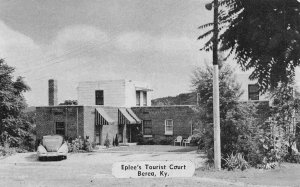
column 243, row 128
column 16, row 126
column 263, row 36
column 285, row 109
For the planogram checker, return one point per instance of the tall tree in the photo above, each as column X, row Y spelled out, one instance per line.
column 264, row 36
column 13, row 126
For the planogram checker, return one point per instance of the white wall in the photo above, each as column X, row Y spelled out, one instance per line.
column 114, row 92
column 243, row 79
column 130, row 98
column 138, row 84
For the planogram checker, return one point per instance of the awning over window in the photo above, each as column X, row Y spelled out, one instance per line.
column 126, row 116
column 137, row 119
column 102, row 118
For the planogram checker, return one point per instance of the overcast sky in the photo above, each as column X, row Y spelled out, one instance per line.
column 154, row 41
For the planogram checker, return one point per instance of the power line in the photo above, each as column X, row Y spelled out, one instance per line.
column 61, row 62
column 78, row 50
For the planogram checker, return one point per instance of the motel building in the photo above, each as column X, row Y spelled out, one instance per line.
column 113, row 108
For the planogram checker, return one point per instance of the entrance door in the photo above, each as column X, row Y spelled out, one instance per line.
column 98, row 133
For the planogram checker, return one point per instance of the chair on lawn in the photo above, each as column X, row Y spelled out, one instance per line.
column 178, row 140
column 187, row 141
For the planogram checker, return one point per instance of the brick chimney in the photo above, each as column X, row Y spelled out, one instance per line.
column 52, row 91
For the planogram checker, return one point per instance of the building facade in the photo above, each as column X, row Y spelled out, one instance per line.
column 121, row 93
column 250, row 88
column 128, row 116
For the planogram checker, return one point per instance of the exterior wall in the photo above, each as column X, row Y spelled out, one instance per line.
column 138, row 84
column 243, row 79
column 89, row 123
column 130, row 94
column 48, row 116
column 181, row 115
column 110, row 130
column 114, row 92
column 118, row 93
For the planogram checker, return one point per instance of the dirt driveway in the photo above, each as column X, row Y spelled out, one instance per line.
column 87, row 169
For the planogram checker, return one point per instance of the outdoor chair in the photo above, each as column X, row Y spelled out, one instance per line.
column 187, row 141
column 178, row 140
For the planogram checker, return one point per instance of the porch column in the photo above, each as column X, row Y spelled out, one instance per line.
column 130, row 133
column 125, row 134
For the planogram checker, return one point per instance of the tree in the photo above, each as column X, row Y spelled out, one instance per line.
column 284, row 108
column 69, row 102
column 13, row 124
column 240, row 122
column 264, row 36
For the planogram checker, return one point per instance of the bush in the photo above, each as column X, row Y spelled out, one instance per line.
column 117, row 140
column 6, row 151
column 140, row 139
column 166, row 141
column 80, row 145
column 107, row 142
column 236, row 161
column 295, row 158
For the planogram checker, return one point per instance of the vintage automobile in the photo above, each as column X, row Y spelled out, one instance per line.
column 52, row 146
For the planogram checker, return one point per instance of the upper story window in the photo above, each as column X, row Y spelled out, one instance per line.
column 168, row 127
column 138, row 98
column 99, row 97
column 60, row 128
column 253, row 92
column 144, row 98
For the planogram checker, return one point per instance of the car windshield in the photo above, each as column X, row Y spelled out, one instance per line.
column 52, row 143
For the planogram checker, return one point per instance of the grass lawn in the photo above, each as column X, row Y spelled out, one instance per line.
column 153, row 148
column 286, row 175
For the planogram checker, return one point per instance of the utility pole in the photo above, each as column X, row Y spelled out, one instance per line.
column 216, row 99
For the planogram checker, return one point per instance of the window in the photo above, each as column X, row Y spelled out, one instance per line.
column 147, row 127
column 60, row 128
column 99, row 97
column 138, row 98
column 253, row 92
column 169, row 127
column 144, row 98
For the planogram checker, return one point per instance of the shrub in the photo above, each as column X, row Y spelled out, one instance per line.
column 80, row 145
column 166, row 141
column 236, row 161
column 150, row 142
column 295, row 158
column 140, row 139
column 6, row 151
column 107, row 142
column 117, row 140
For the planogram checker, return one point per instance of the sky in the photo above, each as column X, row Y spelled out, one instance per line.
column 153, row 41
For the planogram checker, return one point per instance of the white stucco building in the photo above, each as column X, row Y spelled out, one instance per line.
column 250, row 88
column 121, row 93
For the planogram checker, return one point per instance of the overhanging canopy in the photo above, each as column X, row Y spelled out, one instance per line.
column 137, row 119
column 126, row 116
column 102, row 118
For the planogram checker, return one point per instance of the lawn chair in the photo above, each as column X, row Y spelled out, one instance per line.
column 187, row 141
column 178, row 140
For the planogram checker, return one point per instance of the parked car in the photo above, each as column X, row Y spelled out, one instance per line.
column 52, row 146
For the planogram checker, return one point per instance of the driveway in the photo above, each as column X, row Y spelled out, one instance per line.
column 86, row 169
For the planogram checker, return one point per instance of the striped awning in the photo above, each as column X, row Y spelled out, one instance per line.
column 102, row 118
column 126, row 116
column 137, row 119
